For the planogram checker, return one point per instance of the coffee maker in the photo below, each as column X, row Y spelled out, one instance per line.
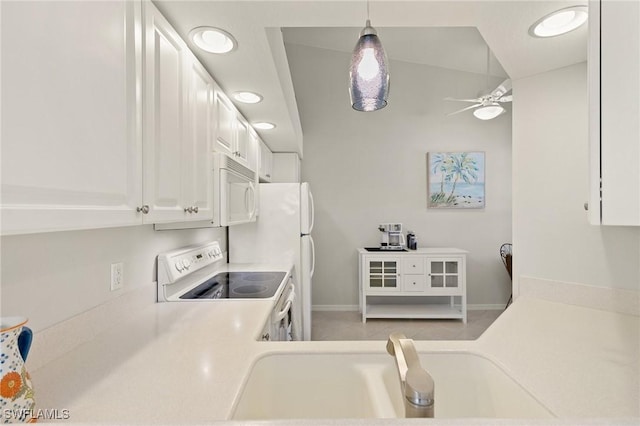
column 392, row 237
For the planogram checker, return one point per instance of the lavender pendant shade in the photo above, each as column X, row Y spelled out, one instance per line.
column 369, row 72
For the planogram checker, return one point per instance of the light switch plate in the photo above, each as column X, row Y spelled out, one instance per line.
column 117, row 276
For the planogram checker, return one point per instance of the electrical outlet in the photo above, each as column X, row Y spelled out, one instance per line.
column 117, row 276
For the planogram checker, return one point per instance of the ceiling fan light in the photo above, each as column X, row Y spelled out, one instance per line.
column 369, row 72
column 559, row 22
column 489, row 111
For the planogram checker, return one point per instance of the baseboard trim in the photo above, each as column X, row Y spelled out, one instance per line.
column 486, row 307
column 336, row 308
column 356, row 308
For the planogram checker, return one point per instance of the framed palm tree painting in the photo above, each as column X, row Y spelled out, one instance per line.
column 455, row 180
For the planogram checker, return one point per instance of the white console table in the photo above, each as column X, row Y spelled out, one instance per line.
column 424, row 283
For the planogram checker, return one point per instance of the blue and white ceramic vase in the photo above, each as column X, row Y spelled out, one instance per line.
column 16, row 392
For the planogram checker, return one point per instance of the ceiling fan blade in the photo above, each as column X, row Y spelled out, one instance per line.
column 464, row 109
column 502, row 89
column 463, row 100
column 507, row 98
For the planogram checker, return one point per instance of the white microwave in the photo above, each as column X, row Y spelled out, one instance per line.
column 234, row 196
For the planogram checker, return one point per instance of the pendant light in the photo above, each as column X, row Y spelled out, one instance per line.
column 369, row 71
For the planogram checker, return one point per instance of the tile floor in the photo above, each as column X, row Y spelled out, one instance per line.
column 348, row 326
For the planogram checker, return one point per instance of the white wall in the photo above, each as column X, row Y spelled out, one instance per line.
column 551, row 235
column 52, row 277
column 369, row 168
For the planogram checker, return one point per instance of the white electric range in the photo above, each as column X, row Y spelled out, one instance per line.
column 199, row 273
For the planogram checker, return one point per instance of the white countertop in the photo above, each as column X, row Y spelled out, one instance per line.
column 178, row 363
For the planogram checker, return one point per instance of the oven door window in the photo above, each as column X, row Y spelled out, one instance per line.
column 238, row 198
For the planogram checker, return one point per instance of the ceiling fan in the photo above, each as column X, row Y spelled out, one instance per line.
column 488, row 106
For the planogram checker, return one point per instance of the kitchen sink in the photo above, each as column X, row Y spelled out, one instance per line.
column 290, row 386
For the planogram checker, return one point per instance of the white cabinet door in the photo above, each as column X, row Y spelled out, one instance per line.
column 382, row 274
column 71, row 136
column 614, row 90
column 165, row 98
column 225, row 124
column 266, row 162
column 241, row 153
column 198, row 168
column 445, row 276
column 252, row 150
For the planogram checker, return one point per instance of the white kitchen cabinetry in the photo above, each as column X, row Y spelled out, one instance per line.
column 243, row 142
column 177, row 164
column 71, row 121
column 614, row 112
column 198, row 169
column 425, row 283
column 225, row 119
column 234, row 136
column 266, row 162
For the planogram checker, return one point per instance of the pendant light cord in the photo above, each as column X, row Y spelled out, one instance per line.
column 488, row 60
column 367, row 10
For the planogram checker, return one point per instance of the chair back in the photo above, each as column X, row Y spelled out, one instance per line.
column 506, row 254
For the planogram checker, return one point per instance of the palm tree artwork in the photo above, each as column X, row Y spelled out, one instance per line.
column 455, row 180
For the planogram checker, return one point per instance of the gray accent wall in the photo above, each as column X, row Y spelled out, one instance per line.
column 370, row 168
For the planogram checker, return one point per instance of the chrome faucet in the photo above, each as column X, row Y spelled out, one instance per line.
column 417, row 385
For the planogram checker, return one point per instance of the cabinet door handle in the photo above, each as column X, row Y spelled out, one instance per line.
column 188, row 209
column 195, row 209
column 144, row 209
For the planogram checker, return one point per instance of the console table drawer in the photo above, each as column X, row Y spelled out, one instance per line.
column 413, row 265
column 414, row 283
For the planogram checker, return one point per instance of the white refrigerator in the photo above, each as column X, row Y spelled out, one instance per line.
column 282, row 233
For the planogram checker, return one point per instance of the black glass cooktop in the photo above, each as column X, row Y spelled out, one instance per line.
column 237, row 285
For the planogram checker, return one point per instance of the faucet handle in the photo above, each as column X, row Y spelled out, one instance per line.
column 420, row 387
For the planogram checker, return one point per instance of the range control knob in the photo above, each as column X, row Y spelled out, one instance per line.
column 178, row 266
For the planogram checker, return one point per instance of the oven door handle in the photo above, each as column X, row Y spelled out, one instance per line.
column 287, row 306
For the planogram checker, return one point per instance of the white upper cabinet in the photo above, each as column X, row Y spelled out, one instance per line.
column 253, row 149
column 177, row 163
column 614, row 112
column 233, row 133
column 266, row 162
column 198, row 168
column 225, row 119
column 120, row 126
column 165, row 127
column 242, row 142
column 71, row 122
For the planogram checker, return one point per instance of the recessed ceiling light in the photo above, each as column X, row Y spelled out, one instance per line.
column 264, row 126
column 559, row 22
column 213, row 40
column 247, row 97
